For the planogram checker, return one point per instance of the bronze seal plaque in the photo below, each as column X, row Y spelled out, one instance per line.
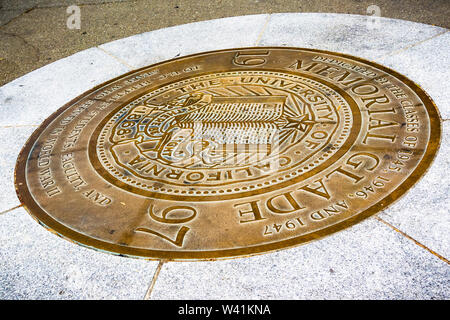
column 228, row 153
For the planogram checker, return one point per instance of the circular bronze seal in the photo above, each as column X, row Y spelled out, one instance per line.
column 228, row 153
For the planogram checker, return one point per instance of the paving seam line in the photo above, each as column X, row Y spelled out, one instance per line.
column 152, row 283
column 117, row 58
column 20, row 126
column 261, row 33
column 392, row 53
column 11, row 209
column 412, row 239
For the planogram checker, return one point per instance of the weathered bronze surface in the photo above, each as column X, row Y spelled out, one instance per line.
column 228, row 153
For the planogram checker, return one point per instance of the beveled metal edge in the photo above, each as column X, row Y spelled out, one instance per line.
column 75, row 237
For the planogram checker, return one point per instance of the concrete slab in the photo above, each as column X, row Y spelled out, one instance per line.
column 155, row 46
column 34, row 32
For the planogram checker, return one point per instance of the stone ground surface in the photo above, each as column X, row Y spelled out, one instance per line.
column 33, row 33
column 400, row 253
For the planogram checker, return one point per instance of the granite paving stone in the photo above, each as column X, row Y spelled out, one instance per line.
column 32, row 98
column 38, row 265
column 424, row 212
column 12, row 140
column 367, row 261
column 363, row 36
column 426, row 63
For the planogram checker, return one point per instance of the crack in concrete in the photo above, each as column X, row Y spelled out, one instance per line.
column 48, row 6
column 37, row 6
column 37, row 52
column 18, row 16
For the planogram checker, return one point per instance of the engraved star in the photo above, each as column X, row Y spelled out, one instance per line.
column 300, row 123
